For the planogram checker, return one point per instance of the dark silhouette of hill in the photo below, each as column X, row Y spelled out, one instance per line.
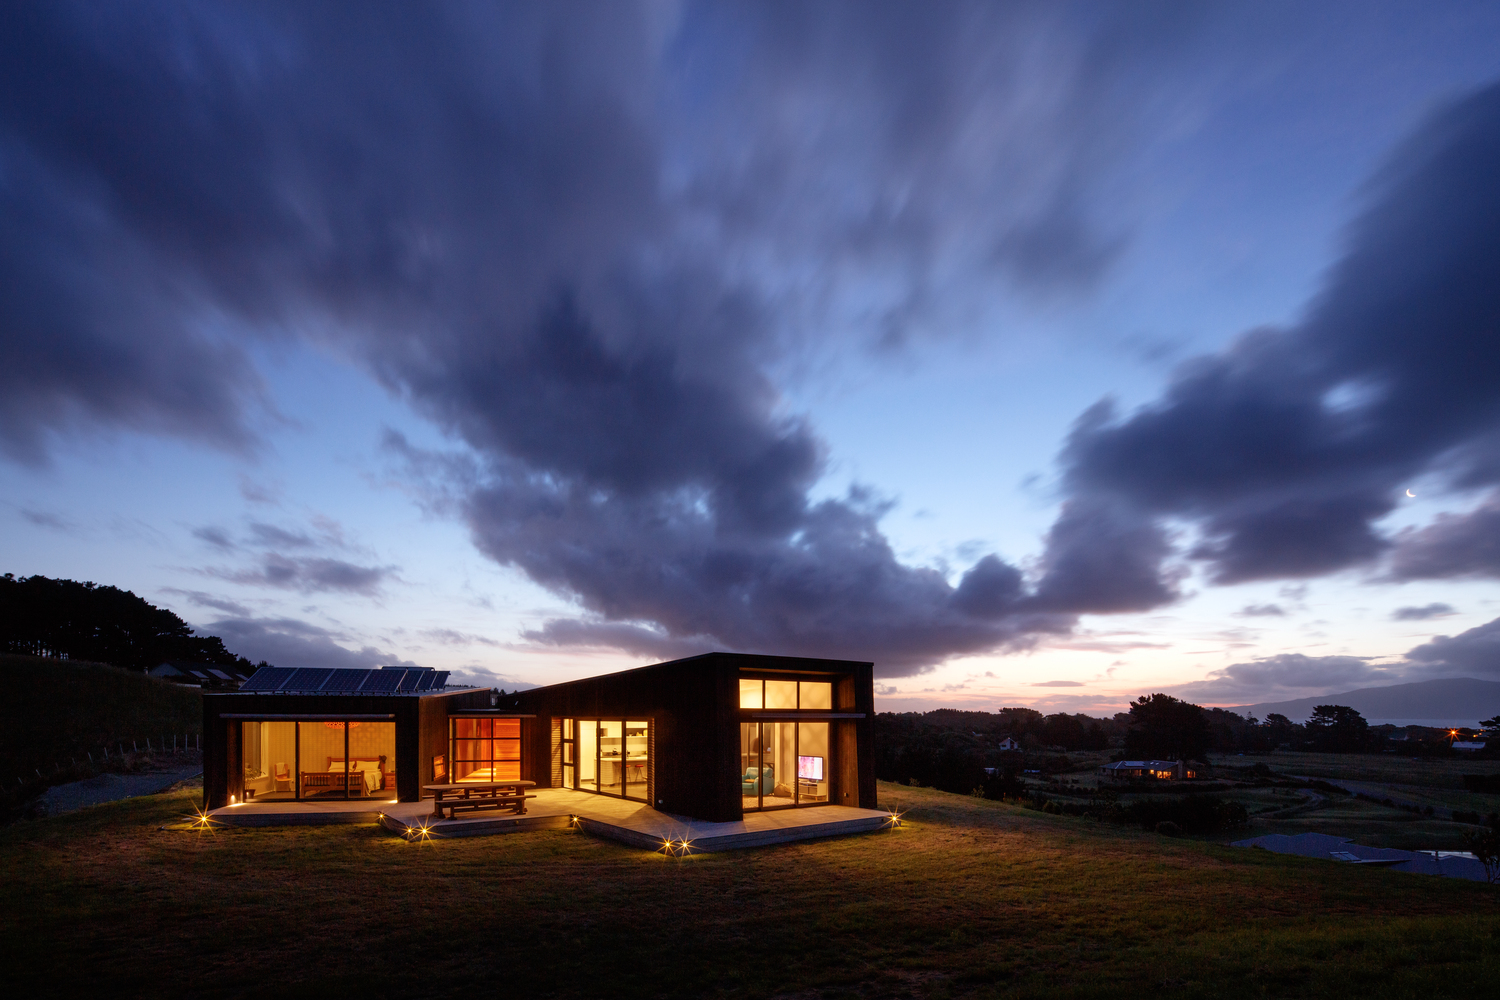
column 1451, row 699
column 65, row 619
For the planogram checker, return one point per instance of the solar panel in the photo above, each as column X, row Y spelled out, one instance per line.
column 345, row 680
column 305, row 679
column 267, row 679
column 384, row 681
column 440, row 679
column 425, row 682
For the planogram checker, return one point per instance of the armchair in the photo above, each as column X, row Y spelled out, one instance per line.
column 767, row 780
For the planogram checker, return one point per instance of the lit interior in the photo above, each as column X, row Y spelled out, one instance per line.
column 608, row 756
column 783, row 764
column 486, row 750
column 318, row 760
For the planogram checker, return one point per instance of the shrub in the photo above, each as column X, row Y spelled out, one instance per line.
column 1168, row 829
column 1190, row 813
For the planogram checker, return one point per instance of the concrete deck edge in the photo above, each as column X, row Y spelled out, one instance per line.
column 227, row 818
column 735, row 841
column 448, row 829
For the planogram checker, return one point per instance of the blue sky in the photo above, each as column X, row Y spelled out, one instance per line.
column 533, row 343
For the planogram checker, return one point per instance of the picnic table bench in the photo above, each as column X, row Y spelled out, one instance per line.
column 479, row 795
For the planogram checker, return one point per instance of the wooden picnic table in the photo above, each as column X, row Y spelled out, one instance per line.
column 479, row 795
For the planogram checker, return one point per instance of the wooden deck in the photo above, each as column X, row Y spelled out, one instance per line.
column 631, row 823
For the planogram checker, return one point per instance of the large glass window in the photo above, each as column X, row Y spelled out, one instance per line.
column 610, row 756
column 815, row 695
column 784, row 764
column 781, row 694
column 637, row 757
column 812, row 762
column 485, row 749
column 269, row 751
column 588, row 755
column 331, row 759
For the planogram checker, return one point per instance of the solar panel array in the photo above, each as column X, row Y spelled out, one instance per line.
column 326, row 680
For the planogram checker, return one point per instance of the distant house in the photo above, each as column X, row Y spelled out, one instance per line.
column 1009, row 743
column 1467, row 745
column 206, row 675
column 1162, row 770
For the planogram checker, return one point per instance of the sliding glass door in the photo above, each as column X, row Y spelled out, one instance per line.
column 318, row 759
column 607, row 756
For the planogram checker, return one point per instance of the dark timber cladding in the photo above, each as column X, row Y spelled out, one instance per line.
column 419, row 713
column 694, row 709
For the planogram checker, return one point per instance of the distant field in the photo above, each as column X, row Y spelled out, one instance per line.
column 1434, row 783
column 970, row 899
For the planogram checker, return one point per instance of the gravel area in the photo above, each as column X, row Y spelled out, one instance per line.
column 109, row 787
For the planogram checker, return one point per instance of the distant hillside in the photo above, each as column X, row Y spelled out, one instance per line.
column 55, row 712
column 1452, row 701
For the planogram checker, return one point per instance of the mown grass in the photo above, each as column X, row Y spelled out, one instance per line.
column 969, row 898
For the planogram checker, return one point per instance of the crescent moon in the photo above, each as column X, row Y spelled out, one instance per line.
column 1410, row 493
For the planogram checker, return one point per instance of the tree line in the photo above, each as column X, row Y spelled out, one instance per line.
column 65, row 619
column 951, row 749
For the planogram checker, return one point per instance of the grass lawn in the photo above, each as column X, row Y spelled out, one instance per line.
column 969, row 898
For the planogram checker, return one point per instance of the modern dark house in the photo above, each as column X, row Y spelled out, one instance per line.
column 709, row 737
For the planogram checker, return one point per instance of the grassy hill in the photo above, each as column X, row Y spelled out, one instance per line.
column 970, row 898
column 55, row 712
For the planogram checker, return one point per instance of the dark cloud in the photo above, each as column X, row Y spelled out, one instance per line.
column 290, row 642
column 46, row 519
column 1284, row 675
column 1285, row 450
column 224, row 604
column 477, row 676
column 452, row 637
column 638, row 640
column 1261, row 611
column 309, row 575
column 272, row 537
column 1416, row 614
column 1059, row 684
column 217, row 537
column 1454, row 545
column 1475, row 653
column 537, row 225
column 581, row 240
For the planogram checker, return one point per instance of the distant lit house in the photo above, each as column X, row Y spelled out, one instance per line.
column 1162, row 770
column 1009, row 743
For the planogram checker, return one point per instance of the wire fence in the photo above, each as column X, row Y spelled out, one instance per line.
column 117, row 757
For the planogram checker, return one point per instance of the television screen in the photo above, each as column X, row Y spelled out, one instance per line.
column 810, row 768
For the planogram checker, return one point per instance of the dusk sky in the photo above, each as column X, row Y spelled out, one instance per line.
column 1044, row 354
